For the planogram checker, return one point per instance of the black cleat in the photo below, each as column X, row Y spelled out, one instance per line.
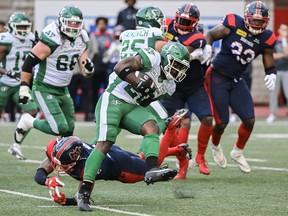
column 83, row 201
column 157, row 174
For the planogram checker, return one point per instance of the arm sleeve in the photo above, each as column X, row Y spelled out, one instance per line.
column 40, row 176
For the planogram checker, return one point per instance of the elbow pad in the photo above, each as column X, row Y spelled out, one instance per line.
column 30, row 62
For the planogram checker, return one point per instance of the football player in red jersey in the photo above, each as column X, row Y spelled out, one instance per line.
column 70, row 153
column 243, row 40
column 191, row 91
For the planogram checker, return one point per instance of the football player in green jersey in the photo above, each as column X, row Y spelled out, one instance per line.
column 141, row 79
column 63, row 43
column 15, row 44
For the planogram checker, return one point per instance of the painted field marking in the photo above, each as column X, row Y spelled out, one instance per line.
column 234, row 165
column 194, row 137
column 95, row 207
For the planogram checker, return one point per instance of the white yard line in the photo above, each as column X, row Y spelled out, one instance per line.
column 95, row 207
column 234, row 165
column 258, row 136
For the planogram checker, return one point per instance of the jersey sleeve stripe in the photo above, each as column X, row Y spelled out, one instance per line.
column 271, row 40
column 231, row 20
column 193, row 38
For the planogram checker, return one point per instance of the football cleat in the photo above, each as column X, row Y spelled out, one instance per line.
column 15, row 149
column 25, row 123
column 180, row 175
column 218, row 156
column 157, row 174
column 238, row 157
column 83, row 201
column 202, row 165
column 184, row 150
column 175, row 120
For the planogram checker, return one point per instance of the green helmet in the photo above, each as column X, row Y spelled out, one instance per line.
column 19, row 24
column 175, row 61
column 150, row 16
column 70, row 21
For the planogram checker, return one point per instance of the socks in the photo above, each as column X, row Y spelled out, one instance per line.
column 216, row 137
column 183, row 134
column 243, row 136
column 204, row 133
column 93, row 164
column 165, row 143
column 151, row 162
column 150, row 145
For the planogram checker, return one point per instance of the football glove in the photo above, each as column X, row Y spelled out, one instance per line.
column 89, row 66
column 58, row 196
column 35, row 41
column 146, row 86
column 207, row 55
column 196, row 54
column 24, row 94
column 54, row 182
column 270, row 81
column 13, row 75
column 188, row 150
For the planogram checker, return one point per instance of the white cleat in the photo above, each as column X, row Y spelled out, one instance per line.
column 238, row 157
column 25, row 123
column 218, row 156
column 15, row 149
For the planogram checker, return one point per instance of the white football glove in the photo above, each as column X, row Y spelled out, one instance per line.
column 196, row 54
column 207, row 54
column 24, row 94
column 270, row 81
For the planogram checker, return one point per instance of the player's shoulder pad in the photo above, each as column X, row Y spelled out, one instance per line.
column 51, row 33
column 270, row 38
column 195, row 40
column 231, row 20
column 84, row 35
column 150, row 57
column 31, row 36
column 6, row 37
column 156, row 31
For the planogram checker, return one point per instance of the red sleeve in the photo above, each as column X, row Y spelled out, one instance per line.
column 230, row 20
column 193, row 38
column 271, row 40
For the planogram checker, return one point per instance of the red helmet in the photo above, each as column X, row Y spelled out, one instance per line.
column 256, row 17
column 186, row 18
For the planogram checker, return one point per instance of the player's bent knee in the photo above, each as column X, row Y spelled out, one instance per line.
column 150, row 127
column 249, row 123
column 63, row 128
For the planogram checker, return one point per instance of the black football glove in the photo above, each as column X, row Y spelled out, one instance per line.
column 146, row 86
column 89, row 66
column 13, row 75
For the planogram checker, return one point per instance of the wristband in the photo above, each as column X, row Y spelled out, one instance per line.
column 271, row 70
column 123, row 73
